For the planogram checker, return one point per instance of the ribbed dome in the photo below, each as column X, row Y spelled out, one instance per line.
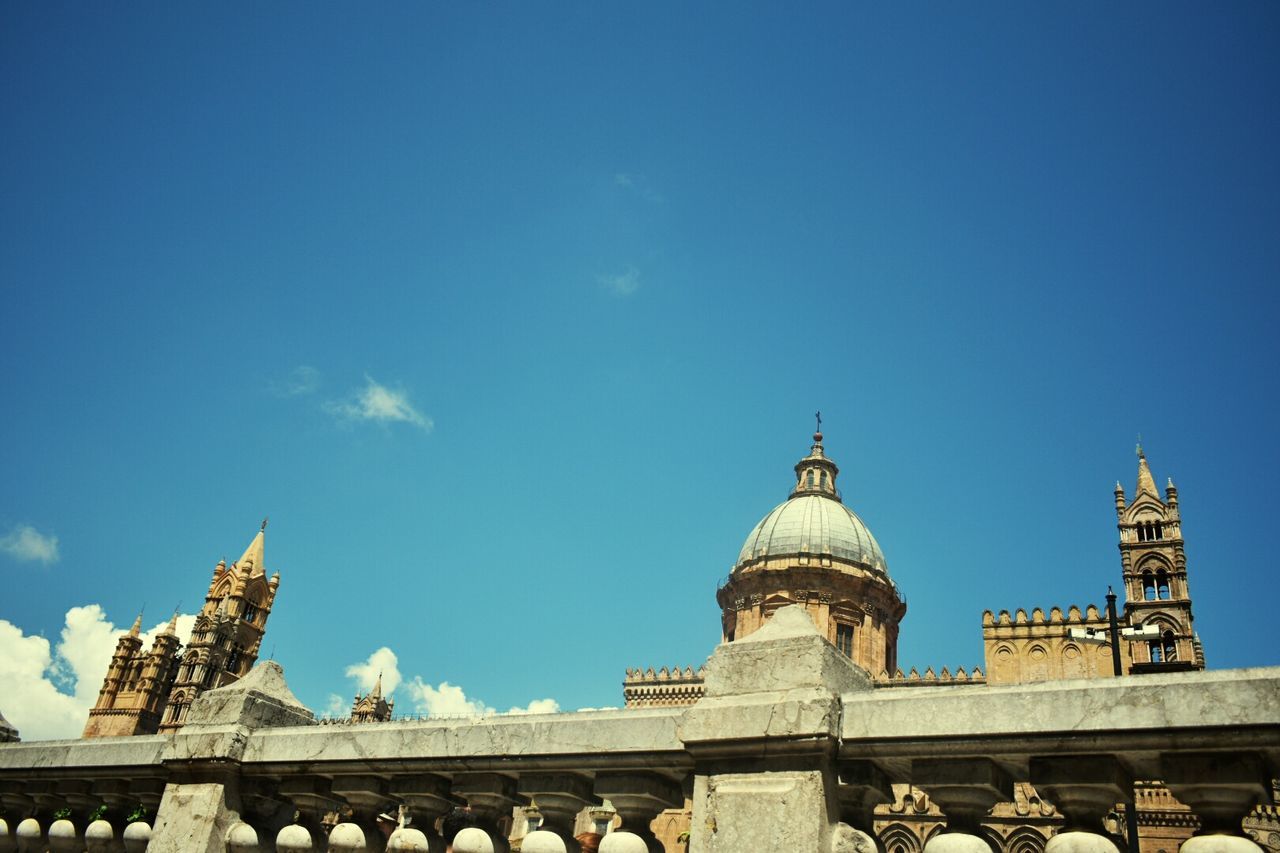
column 816, row 525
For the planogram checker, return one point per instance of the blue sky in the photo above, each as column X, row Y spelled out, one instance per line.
column 514, row 318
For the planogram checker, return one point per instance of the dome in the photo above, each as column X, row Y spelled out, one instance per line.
column 813, row 524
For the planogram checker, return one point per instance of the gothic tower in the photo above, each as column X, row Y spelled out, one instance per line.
column 137, row 685
column 814, row 551
column 228, row 630
column 372, row 708
column 1154, row 563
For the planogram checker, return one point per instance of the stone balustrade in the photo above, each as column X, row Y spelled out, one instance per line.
column 790, row 749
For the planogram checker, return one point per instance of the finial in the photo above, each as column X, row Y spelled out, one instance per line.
column 264, row 524
column 137, row 626
column 817, row 432
column 1141, row 455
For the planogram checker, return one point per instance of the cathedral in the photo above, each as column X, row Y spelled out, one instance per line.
column 814, row 551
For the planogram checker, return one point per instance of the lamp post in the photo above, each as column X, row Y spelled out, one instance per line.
column 1115, row 633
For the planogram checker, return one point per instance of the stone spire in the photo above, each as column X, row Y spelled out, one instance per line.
column 377, row 688
column 816, row 474
column 252, row 560
column 172, row 628
column 136, row 630
column 1146, row 483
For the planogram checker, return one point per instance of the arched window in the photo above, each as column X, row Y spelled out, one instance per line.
column 1159, row 530
column 1157, row 652
column 1142, row 532
column 1162, row 584
column 822, row 480
column 1148, row 587
column 808, row 480
column 1170, row 647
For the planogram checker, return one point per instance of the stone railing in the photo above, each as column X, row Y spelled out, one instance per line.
column 790, row 749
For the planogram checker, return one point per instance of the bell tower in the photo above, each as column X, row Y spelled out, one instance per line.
column 1154, row 563
column 137, row 684
column 228, row 631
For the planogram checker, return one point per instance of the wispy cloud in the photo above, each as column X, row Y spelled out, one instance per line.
column 621, row 284
column 301, row 381
column 27, row 544
column 380, row 404
column 50, row 689
column 639, row 185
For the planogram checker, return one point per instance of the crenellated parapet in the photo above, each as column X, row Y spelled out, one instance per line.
column 944, row 677
column 1039, row 645
column 1091, row 615
column 667, row 687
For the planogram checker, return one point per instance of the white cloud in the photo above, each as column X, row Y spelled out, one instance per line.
column 622, row 284
column 26, row 543
column 383, row 662
column 449, row 700
column 439, row 700
column 48, row 691
column 381, row 404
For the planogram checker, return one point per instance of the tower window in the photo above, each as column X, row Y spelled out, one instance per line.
column 250, row 612
column 844, row 639
column 1162, row 585
column 1170, row 647
column 1159, row 530
column 1142, row 533
column 1156, row 651
column 809, row 478
column 1148, row 587
column 822, row 479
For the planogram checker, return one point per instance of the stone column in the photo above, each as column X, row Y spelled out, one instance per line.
column 312, row 798
column 265, row 810
column 764, row 738
column 639, row 797
column 560, row 796
column 863, row 786
column 1084, row 788
column 368, row 796
column 491, row 796
column 965, row 789
column 428, row 797
column 201, row 802
column 1221, row 788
